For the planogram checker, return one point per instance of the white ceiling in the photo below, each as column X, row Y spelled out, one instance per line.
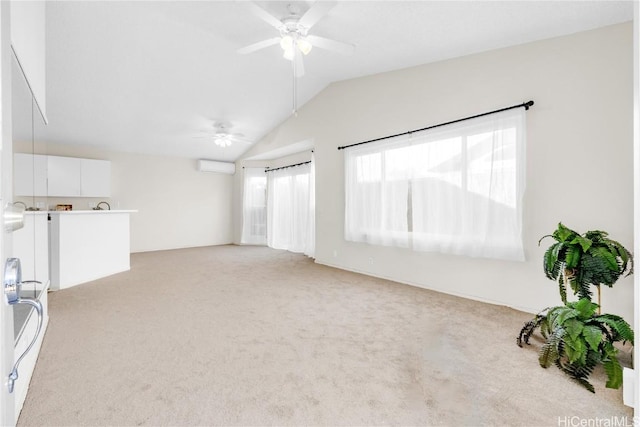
column 148, row 77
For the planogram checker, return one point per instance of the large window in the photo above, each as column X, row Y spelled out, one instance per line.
column 453, row 189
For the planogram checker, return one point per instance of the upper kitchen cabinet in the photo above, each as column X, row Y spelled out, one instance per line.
column 95, row 178
column 76, row 177
column 30, row 175
column 56, row 176
column 64, row 176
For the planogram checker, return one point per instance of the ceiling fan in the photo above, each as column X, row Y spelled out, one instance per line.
column 294, row 38
column 222, row 135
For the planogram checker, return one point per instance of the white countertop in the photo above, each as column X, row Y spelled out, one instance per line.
column 91, row 211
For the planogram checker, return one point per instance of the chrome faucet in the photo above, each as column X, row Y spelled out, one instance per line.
column 98, row 208
column 28, row 209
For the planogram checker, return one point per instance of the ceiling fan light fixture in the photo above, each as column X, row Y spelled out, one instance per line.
column 288, row 54
column 304, row 45
column 286, row 42
column 222, row 140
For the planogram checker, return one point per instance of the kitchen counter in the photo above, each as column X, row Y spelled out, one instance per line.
column 88, row 245
column 91, row 211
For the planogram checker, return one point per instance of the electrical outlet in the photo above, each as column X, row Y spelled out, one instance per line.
column 92, row 205
column 335, row 253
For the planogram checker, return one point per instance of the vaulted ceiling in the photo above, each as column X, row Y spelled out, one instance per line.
column 153, row 77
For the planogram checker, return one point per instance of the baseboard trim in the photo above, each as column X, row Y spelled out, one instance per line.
column 430, row 288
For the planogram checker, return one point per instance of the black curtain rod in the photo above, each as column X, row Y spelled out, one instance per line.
column 526, row 106
column 288, row 166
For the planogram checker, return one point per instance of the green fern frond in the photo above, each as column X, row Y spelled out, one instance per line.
column 609, row 256
column 584, row 242
column 585, row 308
column 614, row 372
column 563, row 289
column 573, row 328
column 561, row 314
column 622, row 330
column 526, row 332
column 544, row 237
column 581, row 373
column 548, row 354
column 552, row 349
column 545, row 327
column 577, row 374
column 593, row 336
column 576, row 350
column 563, row 234
column 548, row 263
column 572, row 256
column 554, row 260
column 626, row 257
column 596, row 236
column 612, row 366
column 581, row 286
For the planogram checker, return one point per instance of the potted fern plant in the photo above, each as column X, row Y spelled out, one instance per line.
column 577, row 336
column 578, row 339
column 585, row 260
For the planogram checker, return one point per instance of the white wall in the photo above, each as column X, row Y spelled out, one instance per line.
column 579, row 155
column 28, row 42
column 177, row 205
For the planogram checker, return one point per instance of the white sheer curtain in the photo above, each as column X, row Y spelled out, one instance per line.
column 376, row 204
column 310, row 243
column 254, row 207
column 454, row 189
column 291, row 209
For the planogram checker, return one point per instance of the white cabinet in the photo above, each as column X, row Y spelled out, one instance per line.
column 63, row 174
column 30, row 175
column 56, row 176
column 95, row 178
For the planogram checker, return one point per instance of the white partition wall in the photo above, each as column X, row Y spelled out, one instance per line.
column 87, row 245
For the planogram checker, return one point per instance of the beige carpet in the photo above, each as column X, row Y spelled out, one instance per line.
column 234, row 335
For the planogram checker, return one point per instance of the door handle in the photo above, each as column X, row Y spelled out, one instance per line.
column 13, row 217
column 12, row 286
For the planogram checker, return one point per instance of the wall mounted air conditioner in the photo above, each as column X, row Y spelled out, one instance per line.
column 215, row 166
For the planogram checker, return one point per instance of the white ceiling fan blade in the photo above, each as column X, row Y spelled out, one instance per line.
column 316, row 13
column 262, row 14
column 259, row 45
column 334, row 45
column 298, row 64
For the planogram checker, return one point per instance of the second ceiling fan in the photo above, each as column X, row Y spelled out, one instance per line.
column 294, row 38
